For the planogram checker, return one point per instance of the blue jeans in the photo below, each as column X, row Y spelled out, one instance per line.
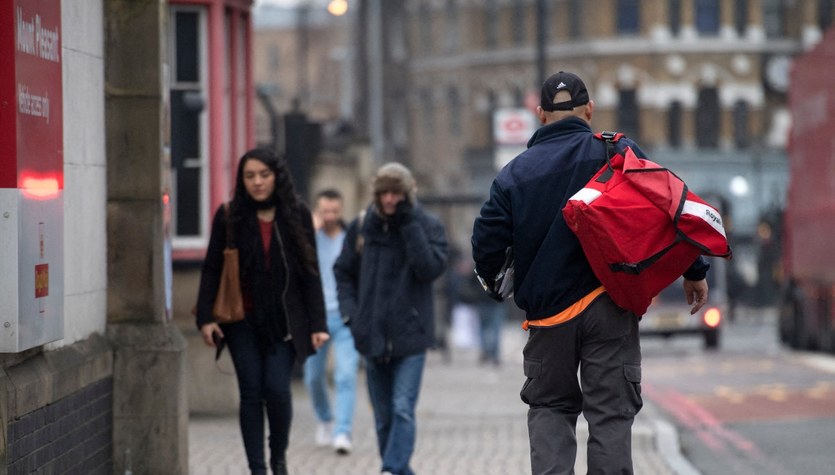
column 393, row 387
column 346, row 362
column 264, row 383
column 492, row 317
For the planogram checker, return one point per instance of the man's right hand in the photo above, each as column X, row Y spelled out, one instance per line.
column 696, row 293
column 208, row 330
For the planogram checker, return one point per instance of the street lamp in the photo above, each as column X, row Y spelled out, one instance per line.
column 338, row 7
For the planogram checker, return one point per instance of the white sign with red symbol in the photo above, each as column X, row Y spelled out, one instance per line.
column 513, row 126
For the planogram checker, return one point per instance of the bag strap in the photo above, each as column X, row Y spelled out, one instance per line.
column 230, row 237
column 635, row 268
column 611, row 138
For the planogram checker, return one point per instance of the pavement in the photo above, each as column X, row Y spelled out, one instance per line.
column 470, row 421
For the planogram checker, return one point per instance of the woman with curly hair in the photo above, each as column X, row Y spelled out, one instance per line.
column 283, row 303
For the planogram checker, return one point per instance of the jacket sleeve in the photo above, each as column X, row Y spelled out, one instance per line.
column 314, row 297
column 346, row 270
column 492, row 233
column 698, row 270
column 426, row 247
column 212, row 268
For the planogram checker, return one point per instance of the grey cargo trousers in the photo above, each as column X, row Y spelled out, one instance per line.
column 603, row 342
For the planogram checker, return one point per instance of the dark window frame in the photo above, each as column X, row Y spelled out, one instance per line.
column 707, row 17
column 708, row 118
column 628, row 18
column 629, row 113
column 675, row 124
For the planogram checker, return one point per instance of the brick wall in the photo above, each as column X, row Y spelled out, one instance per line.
column 72, row 435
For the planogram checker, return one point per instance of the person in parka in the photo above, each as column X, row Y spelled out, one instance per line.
column 391, row 255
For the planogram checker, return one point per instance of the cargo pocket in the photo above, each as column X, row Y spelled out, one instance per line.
column 633, row 402
column 532, row 367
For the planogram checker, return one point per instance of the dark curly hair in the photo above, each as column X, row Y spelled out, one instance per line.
column 288, row 203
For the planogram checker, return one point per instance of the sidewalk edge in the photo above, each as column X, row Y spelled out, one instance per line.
column 666, row 441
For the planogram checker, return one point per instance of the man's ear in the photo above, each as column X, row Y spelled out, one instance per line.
column 540, row 114
column 589, row 110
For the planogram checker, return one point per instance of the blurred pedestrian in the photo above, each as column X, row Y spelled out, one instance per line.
column 391, row 255
column 491, row 314
column 334, row 427
column 283, row 304
column 572, row 321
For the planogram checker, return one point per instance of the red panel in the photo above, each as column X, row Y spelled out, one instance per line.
column 8, row 102
column 31, row 96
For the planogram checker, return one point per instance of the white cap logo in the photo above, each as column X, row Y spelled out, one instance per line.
column 561, row 85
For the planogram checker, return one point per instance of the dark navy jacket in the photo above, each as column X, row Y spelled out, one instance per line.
column 385, row 283
column 524, row 210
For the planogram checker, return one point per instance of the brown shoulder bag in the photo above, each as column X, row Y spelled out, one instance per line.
column 229, row 302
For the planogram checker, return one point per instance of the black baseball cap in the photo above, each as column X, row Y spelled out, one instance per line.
column 563, row 81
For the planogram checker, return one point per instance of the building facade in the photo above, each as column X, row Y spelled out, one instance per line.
column 156, row 102
column 700, row 84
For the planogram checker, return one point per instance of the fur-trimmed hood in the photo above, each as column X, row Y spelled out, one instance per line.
column 394, row 177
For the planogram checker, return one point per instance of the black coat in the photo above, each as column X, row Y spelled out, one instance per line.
column 303, row 299
column 385, row 284
column 525, row 211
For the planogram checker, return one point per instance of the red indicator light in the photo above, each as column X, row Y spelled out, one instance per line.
column 712, row 317
column 39, row 188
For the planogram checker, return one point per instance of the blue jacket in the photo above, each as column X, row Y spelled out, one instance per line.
column 524, row 210
column 385, row 283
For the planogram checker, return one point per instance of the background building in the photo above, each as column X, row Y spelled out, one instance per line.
column 700, row 84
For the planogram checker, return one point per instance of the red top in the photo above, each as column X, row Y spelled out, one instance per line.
column 266, row 234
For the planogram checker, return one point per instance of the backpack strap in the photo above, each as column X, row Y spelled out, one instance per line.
column 611, row 138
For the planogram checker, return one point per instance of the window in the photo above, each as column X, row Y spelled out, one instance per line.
column 628, row 17
column 518, row 97
column 825, row 10
column 742, row 137
column 519, row 29
column 425, row 27
column 451, row 30
column 454, row 108
column 707, row 16
column 575, row 15
column 674, row 16
column 428, row 111
column 491, row 14
column 708, row 118
column 492, row 104
column 773, row 18
column 674, row 124
column 189, row 195
column 741, row 16
column 629, row 117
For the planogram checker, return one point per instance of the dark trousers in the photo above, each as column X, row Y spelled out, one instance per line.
column 264, row 383
column 603, row 343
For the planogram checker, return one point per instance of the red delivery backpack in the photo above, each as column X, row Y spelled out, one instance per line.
column 641, row 227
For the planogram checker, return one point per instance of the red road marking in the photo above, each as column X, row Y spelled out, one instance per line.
column 706, row 427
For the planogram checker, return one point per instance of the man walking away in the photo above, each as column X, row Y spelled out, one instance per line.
column 572, row 321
